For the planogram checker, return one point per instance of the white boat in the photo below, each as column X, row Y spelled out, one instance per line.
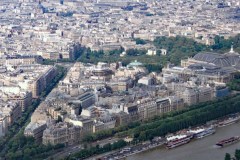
column 177, row 140
column 229, row 121
column 202, row 132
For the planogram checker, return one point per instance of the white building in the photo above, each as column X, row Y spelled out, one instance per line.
column 151, row 52
column 163, row 52
column 145, row 81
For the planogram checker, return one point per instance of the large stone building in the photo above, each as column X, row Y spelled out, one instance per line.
column 16, row 94
column 168, row 104
column 9, row 113
column 149, row 108
column 195, row 95
column 229, row 59
column 10, row 109
column 34, row 77
column 86, row 124
column 16, row 60
column 59, row 108
column 209, row 67
column 103, row 123
column 35, row 130
column 61, row 133
column 41, row 81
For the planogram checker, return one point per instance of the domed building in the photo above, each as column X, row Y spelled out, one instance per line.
column 213, row 58
column 229, row 59
column 208, row 67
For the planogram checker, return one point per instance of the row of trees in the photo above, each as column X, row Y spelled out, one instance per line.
column 236, row 155
column 235, row 83
column 15, row 145
column 174, row 121
column 26, row 148
column 200, row 115
column 15, row 128
column 223, row 45
column 85, row 153
column 52, row 62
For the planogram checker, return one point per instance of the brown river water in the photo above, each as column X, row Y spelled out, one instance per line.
column 203, row 149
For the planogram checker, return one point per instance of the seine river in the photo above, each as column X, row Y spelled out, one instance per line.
column 203, row 149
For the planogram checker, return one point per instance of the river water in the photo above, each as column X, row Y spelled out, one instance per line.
column 203, row 149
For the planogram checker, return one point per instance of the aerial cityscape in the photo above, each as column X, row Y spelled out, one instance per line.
column 119, row 79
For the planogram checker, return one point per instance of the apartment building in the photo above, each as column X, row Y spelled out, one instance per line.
column 147, row 109
column 9, row 113
column 195, row 95
column 10, row 109
column 61, row 133
column 16, row 94
column 35, row 130
column 86, row 124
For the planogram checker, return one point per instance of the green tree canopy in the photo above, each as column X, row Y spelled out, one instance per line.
column 227, row 156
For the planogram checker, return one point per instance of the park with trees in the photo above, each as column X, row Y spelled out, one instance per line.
column 178, row 48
